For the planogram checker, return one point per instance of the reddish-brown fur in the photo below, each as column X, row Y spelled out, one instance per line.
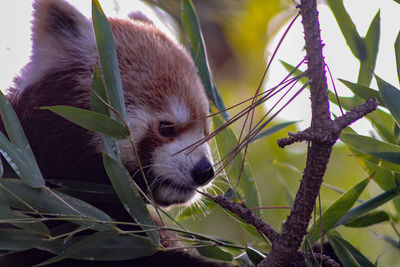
column 160, row 84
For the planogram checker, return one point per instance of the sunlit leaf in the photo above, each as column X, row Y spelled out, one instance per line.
column 97, row 95
column 336, row 210
column 371, row 41
column 199, row 54
column 348, row 29
column 129, row 195
column 369, row 205
column 107, row 246
column 108, row 59
column 397, row 52
column 215, row 253
column 247, row 188
column 363, row 91
column 272, row 130
column 91, row 120
column 18, row 152
column 369, row 219
column 373, row 147
column 391, row 97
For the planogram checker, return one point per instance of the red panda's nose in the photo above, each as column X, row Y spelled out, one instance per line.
column 202, row 172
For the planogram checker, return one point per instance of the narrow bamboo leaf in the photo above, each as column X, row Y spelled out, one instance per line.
column 18, row 140
column 110, row 143
column 247, row 188
column 106, row 246
column 391, row 97
column 391, row 241
column 373, row 147
column 272, row 130
column 369, row 205
column 215, row 253
column 23, row 221
column 383, row 123
column 369, row 219
column 347, row 253
column 108, row 59
column 336, row 211
column 129, row 195
column 344, row 256
column 1, row 168
column 371, row 41
column 397, row 53
column 50, row 201
column 20, row 164
column 348, row 29
column 244, row 260
column 91, row 120
column 363, row 91
column 199, row 55
column 98, row 87
column 15, row 239
column 254, row 255
column 86, row 191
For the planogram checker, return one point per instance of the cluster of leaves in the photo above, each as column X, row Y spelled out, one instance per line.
column 378, row 155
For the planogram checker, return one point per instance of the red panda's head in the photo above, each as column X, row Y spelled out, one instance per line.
column 165, row 100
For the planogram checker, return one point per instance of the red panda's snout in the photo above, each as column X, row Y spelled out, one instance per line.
column 173, row 171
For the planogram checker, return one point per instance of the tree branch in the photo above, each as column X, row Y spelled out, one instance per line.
column 322, row 135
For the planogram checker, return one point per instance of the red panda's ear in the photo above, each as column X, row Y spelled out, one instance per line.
column 59, row 28
column 61, row 37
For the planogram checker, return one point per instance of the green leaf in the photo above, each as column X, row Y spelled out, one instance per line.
column 23, row 221
column 215, row 253
column 254, row 255
column 336, row 211
column 247, row 188
column 371, row 41
column 369, row 219
column 348, row 29
column 383, row 123
column 109, row 60
column 397, row 52
column 344, row 256
column 110, row 143
column 197, row 47
column 363, row 91
column 347, row 253
column 373, row 147
column 15, row 239
column 107, row 246
column 129, row 195
column 369, row 205
column 46, row 200
column 391, row 97
column 272, row 130
column 91, row 120
column 18, row 153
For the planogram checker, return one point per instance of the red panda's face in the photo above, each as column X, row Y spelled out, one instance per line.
column 166, row 104
column 167, row 109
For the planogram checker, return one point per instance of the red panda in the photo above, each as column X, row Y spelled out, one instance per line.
column 166, row 105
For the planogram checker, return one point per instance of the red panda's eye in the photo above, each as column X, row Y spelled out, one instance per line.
column 167, row 129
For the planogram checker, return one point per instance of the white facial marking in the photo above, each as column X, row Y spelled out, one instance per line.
column 179, row 110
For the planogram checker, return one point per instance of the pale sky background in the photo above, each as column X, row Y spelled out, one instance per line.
column 15, row 45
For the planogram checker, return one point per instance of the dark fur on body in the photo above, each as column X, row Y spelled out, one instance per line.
column 149, row 61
